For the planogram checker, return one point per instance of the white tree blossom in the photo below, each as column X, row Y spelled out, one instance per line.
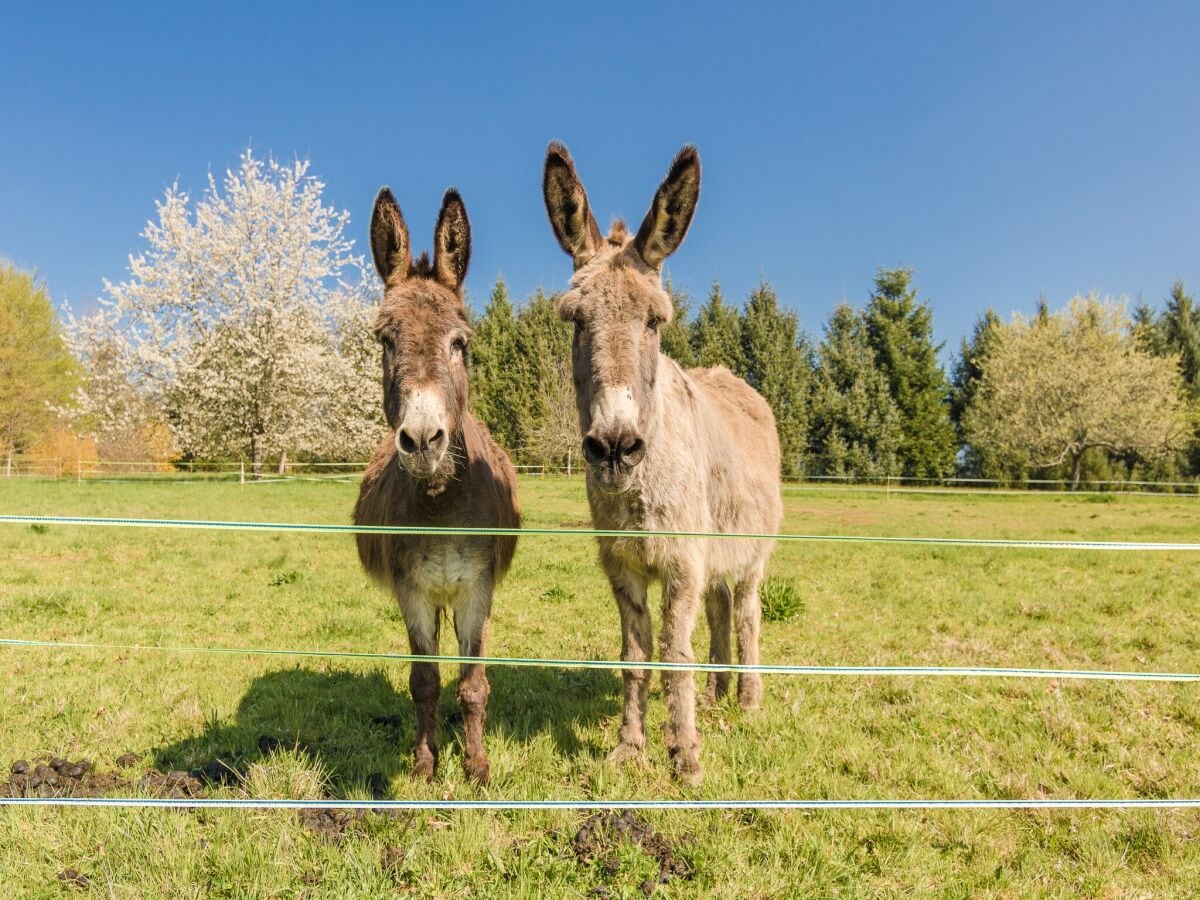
column 228, row 318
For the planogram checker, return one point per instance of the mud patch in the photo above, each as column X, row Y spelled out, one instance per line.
column 58, row 777
column 74, row 878
column 602, row 833
column 331, row 824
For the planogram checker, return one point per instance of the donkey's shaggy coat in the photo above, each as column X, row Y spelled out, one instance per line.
column 667, row 450
column 438, row 466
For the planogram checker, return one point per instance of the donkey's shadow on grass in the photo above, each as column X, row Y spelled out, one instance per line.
column 359, row 729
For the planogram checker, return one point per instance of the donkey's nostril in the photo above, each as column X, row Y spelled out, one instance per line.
column 407, row 444
column 594, row 450
column 633, row 451
column 438, row 437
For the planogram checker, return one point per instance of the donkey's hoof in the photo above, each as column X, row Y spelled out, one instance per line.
column 625, row 752
column 424, row 766
column 750, row 694
column 478, row 770
column 689, row 772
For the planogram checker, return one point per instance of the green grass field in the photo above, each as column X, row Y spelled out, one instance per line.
column 312, row 728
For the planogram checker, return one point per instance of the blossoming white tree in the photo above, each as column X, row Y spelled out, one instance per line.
column 231, row 319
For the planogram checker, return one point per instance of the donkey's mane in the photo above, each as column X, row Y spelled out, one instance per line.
column 618, row 234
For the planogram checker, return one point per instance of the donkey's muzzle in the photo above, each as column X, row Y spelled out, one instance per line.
column 619, row 451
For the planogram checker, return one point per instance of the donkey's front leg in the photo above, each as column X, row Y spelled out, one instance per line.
column 424, row 682
column 681, row 604
column 629, row 589
column 471, row 625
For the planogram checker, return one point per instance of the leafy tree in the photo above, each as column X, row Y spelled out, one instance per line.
column 122, row 421
column 778, row 366
column 554, row 437
column 1061, row 386
column 900, row 332
column 37, row 372
column 225, row 319
column 675, row 340
column 855, row 425
column 717, row 334
column 496, row 392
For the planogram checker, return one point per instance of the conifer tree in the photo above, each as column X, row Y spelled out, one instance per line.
column 543, row 350
column 778, row 366
column 854, row 426
column 717, row 334
column 494, row 389
column 675, row 339
column 900, row 332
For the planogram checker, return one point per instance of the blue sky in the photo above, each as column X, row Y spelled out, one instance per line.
column 1002, row 150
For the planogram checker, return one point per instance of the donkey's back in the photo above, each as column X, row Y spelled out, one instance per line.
column 738, row 440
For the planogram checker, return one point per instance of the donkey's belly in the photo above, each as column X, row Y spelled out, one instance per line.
column 444, row 572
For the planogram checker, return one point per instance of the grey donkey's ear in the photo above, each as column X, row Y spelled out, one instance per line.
column 671, row 211
column 567, row 206
column 389, row 237
column 452, row 242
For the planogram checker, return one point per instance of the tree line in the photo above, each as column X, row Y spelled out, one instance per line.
column 1084, row 393
column 243, row 331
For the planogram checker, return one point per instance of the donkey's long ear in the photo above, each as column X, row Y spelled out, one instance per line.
column 389, row 237
column 567, row 205
column 452, row 242
column 671, row 211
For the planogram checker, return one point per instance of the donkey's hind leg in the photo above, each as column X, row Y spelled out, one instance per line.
column 424, row 682
column 747, row 618
column 471, row 625
column 716, row 608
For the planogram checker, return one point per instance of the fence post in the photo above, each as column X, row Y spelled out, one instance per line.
column 242, row 473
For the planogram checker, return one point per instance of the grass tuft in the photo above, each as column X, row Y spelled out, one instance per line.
column 781, row 600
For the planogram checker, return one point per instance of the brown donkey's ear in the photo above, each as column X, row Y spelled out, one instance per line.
column 452, row 242
column 567, row 205
column 389, row 237
column 671, row 211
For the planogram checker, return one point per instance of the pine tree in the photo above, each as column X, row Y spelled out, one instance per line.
column 543, row 351
column 1177, row 332
column 965, row 375
column 900, row 332
column 854, row 424
column 494, row 390
column 675, row 340
column 1179, row 327
column 717, row 334
column 778, row 366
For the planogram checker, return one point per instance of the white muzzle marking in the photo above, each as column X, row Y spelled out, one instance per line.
column 613, row 407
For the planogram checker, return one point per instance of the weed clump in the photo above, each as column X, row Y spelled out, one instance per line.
column 781, row 600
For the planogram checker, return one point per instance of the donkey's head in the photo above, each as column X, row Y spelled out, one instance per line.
column 422, row 325
column 617, row 305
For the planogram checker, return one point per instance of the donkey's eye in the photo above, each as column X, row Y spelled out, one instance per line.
column 388, row 344
column 459, row 346
column 653, row 322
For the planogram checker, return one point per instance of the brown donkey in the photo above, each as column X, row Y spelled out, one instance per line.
column 667, row 450
column 437, row 466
